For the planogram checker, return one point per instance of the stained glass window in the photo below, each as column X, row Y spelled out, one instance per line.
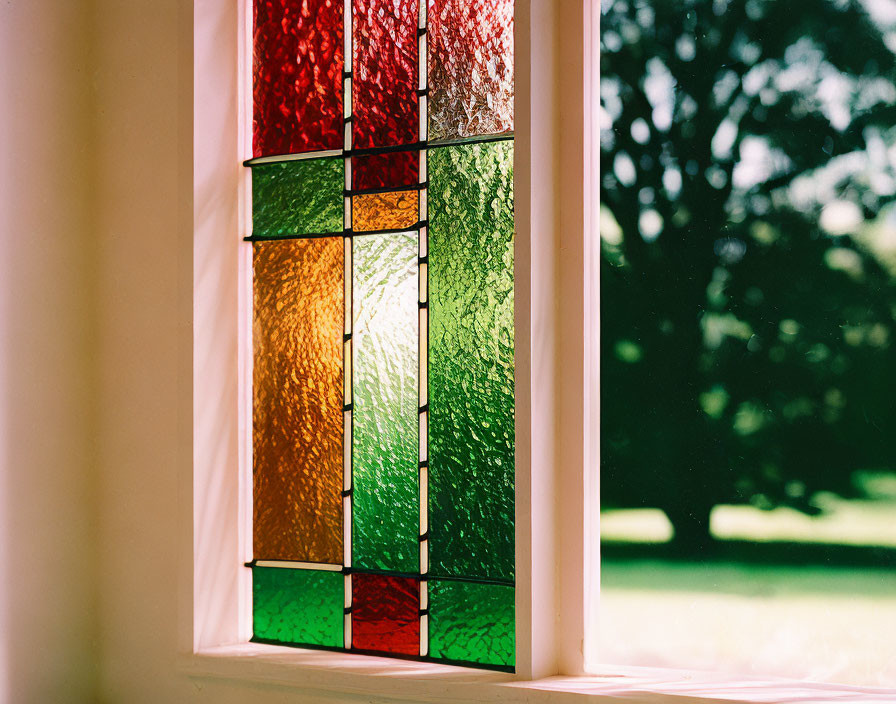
column 383, row 343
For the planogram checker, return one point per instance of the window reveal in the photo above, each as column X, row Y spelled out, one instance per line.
column 383, row 400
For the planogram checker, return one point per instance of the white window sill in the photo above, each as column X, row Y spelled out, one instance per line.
column 365, row 676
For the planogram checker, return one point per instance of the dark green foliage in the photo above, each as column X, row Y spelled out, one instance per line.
column 747, row 352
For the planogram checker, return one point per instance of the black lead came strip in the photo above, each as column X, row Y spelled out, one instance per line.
column 348, row 232
column 379, row 573
column 426, row 577
column 385, row 189
column 373, row 151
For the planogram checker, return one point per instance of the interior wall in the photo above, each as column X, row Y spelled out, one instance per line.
column 47, row 335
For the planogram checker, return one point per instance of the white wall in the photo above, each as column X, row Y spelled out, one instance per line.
column 48, row 411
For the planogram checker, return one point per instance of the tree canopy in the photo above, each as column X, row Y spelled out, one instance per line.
column 748, row 253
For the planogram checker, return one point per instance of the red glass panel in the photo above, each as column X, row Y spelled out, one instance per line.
column 298, row 76
column 389, row 170
column 470, row 67
column 384, row 71
column 385, row 614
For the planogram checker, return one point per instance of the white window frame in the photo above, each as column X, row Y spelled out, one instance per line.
column 550, row 349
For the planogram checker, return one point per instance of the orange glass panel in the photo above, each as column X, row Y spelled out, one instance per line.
column 298, row 398
column 385, row 211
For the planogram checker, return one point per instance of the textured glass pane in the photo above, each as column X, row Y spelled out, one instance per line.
column 471, row 622
column 297, row 197
column 385, row 73
column 389, row 170
column 384, row 465
column 385, row 211
column 470, row 67
column 298, row 76
column 471, row 489
column 297, row 412
column 386, row 614
column 298, row 606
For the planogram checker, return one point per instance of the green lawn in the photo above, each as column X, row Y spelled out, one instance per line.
column 760, row 604
column 842, row 523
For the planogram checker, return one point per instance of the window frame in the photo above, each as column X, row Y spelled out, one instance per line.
column 558, row 333
column 549, row 365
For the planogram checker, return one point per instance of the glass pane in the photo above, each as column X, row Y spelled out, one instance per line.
column 297, row 197
column 390, row 170
column 385, row 73
column 384, row 465
column 298, row 398
column 748, row 312
column 386, row 614
column 470, row 67
column 471, row 622
column 298, row 606
column 385, row 211
column 298, row 76
column 471, row 442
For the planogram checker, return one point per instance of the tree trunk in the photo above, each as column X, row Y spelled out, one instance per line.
column 691, row 525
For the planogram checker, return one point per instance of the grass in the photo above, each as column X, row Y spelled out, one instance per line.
column 780, row 594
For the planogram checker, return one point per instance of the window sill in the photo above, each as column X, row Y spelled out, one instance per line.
column 366, row 676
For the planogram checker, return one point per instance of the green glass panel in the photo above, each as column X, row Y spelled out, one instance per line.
column 297, row 197
column 471, row 622
column 471, row 438
column 298, row 606
column 385, row 401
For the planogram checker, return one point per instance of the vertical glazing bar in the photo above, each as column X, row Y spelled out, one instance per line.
column 349, row 268
column 423, row 348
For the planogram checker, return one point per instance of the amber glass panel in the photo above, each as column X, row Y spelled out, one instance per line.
column 385, row 211
column 297, row 413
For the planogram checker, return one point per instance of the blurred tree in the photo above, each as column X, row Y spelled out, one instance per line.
column 747, row 305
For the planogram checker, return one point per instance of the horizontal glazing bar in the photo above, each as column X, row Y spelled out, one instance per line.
column 291, row 565
column 481, row 139
column 384, row 189
column 319, row 566
column 309, row 236
column 345, row 233
column 276, row 158
column 415, row 147
column 411, row 228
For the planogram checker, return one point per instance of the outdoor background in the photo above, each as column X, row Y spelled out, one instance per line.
column 748, row 316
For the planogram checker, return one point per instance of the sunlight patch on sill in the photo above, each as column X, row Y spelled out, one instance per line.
column 365, row 677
